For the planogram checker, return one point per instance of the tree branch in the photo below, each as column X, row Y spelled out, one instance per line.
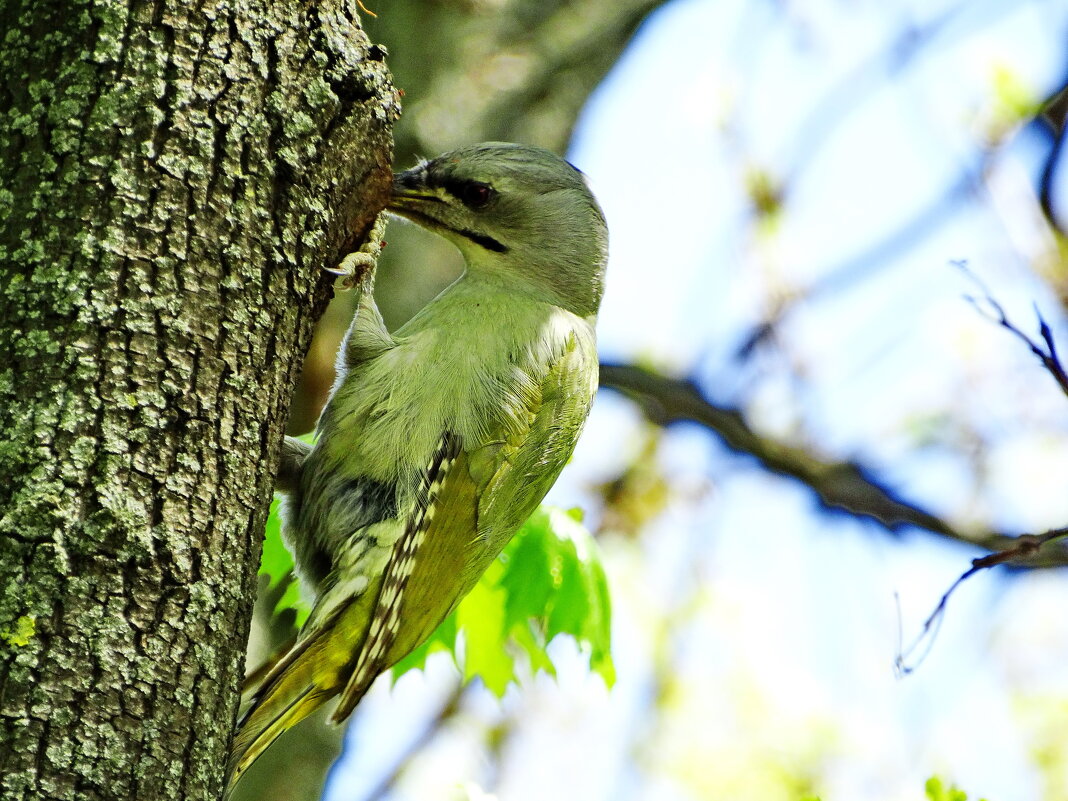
column 521, row 73
column 840, row 486
column 1052, row 120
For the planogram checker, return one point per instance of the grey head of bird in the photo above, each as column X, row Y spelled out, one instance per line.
column 520, row 214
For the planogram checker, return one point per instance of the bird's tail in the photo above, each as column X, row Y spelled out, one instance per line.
column 296, row 686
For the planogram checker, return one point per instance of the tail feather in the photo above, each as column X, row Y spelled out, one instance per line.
column 297, row 685
column 267, row 724
column 257, row 677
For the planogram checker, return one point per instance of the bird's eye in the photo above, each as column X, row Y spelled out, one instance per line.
column 476, row 195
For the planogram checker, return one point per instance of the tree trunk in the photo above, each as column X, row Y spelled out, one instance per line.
column 173, row 182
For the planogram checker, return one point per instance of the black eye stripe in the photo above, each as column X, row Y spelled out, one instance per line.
column 488, row 242
column 473, row 194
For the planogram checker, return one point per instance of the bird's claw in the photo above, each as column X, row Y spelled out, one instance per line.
column 356, row 266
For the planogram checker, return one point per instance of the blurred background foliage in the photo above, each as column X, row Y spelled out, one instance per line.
column 806, row 432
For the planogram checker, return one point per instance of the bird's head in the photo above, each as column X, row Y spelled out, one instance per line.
column 521, row 213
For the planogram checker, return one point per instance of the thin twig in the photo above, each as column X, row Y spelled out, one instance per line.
column 1048, row 355
column 1026, row 546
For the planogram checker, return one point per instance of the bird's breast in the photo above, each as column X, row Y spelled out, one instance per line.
column 469, row 366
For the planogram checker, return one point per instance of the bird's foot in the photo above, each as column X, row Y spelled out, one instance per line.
column 359, row 264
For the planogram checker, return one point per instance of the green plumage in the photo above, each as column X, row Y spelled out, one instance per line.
column 440, row 440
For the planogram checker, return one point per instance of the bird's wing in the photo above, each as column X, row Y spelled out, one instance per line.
column 480, row 500
column 525, row 468
column 439, row 498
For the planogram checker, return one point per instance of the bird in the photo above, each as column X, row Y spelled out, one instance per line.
column 438, row 440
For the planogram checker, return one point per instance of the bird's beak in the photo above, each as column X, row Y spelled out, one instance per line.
column 409, row 186
column 411, row 197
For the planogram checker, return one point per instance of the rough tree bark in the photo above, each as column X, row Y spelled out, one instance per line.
column 174, row 178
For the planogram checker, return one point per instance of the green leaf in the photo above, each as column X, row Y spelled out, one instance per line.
column 549, row 581
column 534, row 648
column 481, row 617
column 276, row 561
column 936, row 791
column 443, row 639
column 1016, row 102
column 292, row 599
column 526, row 574
column 580, row 605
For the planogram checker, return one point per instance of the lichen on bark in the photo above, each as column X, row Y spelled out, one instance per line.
column 174, row 178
